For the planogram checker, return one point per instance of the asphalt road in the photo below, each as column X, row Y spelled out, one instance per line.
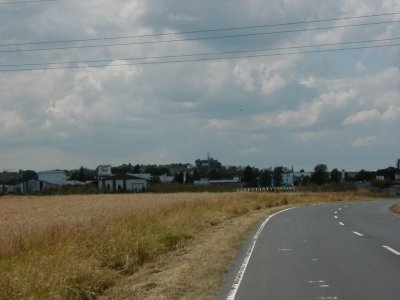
column 328, row 251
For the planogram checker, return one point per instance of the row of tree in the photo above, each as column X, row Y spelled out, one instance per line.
column 213, row 169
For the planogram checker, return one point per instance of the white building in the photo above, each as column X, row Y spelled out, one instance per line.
column 103, row 171
column 123, row 182
column 288, row 179
column 51, row 179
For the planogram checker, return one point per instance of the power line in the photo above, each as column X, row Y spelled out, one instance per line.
column 23, row 2
column 197, row 38
column 194, row 31
column 199, row 54
column 203, row 59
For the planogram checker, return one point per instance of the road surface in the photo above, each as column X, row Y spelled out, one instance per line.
column 327, row 251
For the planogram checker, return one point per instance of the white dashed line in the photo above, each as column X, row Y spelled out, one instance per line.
column 316, row 281
column 335, row 217
column 341, row 223
column 391, row 250
column 339, row 208
column 284, row 249
column 335, row 212
column 357, row 233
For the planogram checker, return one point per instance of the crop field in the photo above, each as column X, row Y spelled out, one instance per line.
column 88, row 246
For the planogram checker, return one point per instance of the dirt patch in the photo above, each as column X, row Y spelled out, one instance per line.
column 396, row 208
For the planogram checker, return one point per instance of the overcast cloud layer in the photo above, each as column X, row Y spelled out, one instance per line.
column 340, row 108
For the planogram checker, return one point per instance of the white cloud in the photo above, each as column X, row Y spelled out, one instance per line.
column 392, row 114
column 307, row 136
column 307, row 114
column 219, row 124
column 368, row 116
column 364, row 141
column 310, row 82
column 360, row 67
column 160, row 113
column 184, row 17
column 362, row 117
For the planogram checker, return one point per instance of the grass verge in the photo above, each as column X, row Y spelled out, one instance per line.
column 174, row 246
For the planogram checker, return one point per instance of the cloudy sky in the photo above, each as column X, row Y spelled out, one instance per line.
column 296, row 106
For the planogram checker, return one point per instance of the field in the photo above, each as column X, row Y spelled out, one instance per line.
column 154, row 246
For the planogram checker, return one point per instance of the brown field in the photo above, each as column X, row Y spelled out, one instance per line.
column 153, row 246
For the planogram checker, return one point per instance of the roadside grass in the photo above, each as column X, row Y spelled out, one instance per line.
column 82, row 246
column 395, row 208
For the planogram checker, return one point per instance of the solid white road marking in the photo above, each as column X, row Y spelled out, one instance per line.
column 341, row 223
column 357, row 233
column 239, row 276
column 391, row 250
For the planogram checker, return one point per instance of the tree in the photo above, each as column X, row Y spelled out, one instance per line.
column 277, row 176
column 179, row 177
column 320, row 175
column 266, row 177
column 248, row 177
column 365, row 176
column 336, row 176
column 81, row 175
column 196, row 175
column 136, row 169
column 214, row 175
column 28, row 175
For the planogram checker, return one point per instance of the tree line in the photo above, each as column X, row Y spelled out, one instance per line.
column 212, row 169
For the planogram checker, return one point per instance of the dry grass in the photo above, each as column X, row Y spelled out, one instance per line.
column 78, row 247
column 396, row 208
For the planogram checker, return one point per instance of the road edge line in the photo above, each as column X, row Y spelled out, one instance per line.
column 249, row 252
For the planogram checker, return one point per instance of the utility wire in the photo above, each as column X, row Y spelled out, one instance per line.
column 202, row 59
column 195, row 31
column 197, row 38
column 23, row 2
column 198, row 54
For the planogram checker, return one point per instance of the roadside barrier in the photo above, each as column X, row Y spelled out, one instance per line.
column 281, row 189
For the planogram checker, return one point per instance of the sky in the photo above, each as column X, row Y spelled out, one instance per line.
column 295, row 106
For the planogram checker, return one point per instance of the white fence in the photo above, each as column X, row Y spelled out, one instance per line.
column 268, row 189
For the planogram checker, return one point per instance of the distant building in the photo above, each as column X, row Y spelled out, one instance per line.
column 166, row 179
column 205, row 181
column 51, row 179
column 146, row 176
column 288, row 179
column 103, row 171
column 123, row 182
column 397, row 178
column 295, row 178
